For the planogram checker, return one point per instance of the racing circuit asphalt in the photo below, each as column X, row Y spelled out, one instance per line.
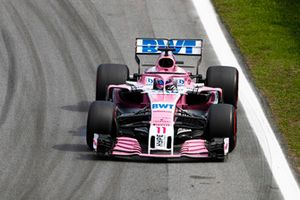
column 49, row 51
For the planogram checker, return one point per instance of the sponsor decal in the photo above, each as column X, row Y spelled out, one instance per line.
column 180, row 82
column 183, row 130
column 162, row 120
column 226, row 146
column 162, row 106
column 160, row 140
column 182, row 46
column 149, row 81
column 162, row 111
column 152, row 45
column 95, row 141
column 160, row 124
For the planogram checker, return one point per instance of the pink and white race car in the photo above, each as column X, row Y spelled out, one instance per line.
column 166, row 111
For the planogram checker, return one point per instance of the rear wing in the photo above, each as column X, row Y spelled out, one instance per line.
column 184, row 47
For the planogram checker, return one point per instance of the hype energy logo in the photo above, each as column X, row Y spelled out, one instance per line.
column 184, row 46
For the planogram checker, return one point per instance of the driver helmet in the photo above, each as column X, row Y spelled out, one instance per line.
column 158, row 84
column 171, row 85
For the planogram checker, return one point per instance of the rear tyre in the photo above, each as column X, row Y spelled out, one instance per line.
column 221, row 123
column 226, row 78
column 110, row 74
column 100, row 120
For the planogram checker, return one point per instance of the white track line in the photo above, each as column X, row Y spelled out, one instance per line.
column 254, row 112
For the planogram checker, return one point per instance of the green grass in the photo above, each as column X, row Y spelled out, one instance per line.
column 268, row 35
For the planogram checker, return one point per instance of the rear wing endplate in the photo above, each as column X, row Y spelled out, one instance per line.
column 151, row 46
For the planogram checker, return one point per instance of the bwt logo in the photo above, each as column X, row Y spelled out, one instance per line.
column 162, row 106
column 152, row 45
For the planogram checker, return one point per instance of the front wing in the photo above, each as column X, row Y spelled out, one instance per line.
column 217, row 148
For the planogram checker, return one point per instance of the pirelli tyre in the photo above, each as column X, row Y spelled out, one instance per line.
column 100, row 120
column 226, row 78
column 110, row 74
column 221, row 123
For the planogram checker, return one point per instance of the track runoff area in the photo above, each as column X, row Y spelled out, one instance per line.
column 254, row 111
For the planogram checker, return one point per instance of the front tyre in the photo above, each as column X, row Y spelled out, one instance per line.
column 221, row 123
column 226, row 78
column 100, row 120
column 108, row 74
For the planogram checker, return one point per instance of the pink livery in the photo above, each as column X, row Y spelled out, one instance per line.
column 163, row 112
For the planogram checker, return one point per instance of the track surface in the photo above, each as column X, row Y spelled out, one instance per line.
column 49, row 51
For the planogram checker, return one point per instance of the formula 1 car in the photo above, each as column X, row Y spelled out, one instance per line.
column 166, row 111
